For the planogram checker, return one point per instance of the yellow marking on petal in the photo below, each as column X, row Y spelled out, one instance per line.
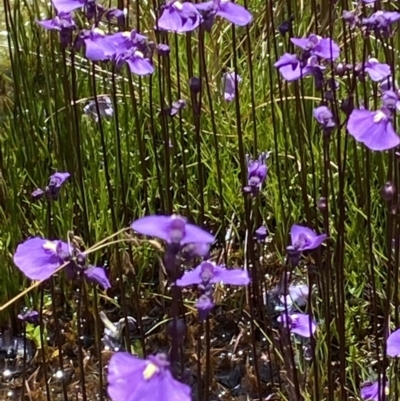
column 150, row 371
column 387, row 390
column 99, row 31
column 139, row 54
column 50, row 246
column 126, row 34
column 178, row 5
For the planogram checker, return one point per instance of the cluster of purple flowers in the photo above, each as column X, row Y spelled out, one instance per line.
column 133, row 48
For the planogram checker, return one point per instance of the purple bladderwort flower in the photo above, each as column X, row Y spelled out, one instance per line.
column 98, row 46
column 374, row 391
column 163, row 49
column 390, row 99
column 393, row 344
column 37, row 194
column 261, row 233
column 292, row 69
column 204, row 276
column 176, row 107
column 373, row 128
column 173, row 230
column 377, row 71
column 39, row 258
column 137, row 62
column 105, row 108
column 62, row 23
column 116, row 13
column 296, row 295
column 179, row 17
column 52, row 191
column 351, row 18
column 325, row 117
column 215, row 274
column 29, row 316
column 381, row 21
column 234, row 13
column 229, row 81
column 131, row 378
column 299, row 323
column 257, row 171
column 303, row 239
column 315, row 45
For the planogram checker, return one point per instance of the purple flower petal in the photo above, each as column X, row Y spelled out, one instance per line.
column 234, row 13
column 231, row 276
column 229, row 80
column 170, row 20
column 172, row 229
column 393, row 344
column 299, row 323
column 133, row 379
column 218, row 274
column 66, row 6
column 37, row 258
column 377, row 71
column 303, row 238
column 139, row 65
column 373, row 129
column 370, row 391
column 98, row 276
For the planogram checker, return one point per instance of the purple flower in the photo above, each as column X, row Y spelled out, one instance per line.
column 163, row 49
column 172, row 229
column 370, row 391
column 138, row 64
column 373, row 129
column 377, row 71
column 98, row 45
column 257, row 171
column 393, row 344
column 322, row 47
column 229, row 80
column 176, row 107
column 299, row 323
column 105, row 108
column 204, row 306
column 63, row 23
column 381, row 20
column 325, row 117
column 38, row 258
column 292, row 69
column 29, row 316
column 179, row 17
column 116, row 13
column 391, row 100
column 66, row 6
column 52, row 191
column 37, row 194
column 215, row 274
column 261, row 233
column 305, row 239
column 232, row 12
column 351, row 18
column 97, row 275
column 131, row 378
column 297, row 294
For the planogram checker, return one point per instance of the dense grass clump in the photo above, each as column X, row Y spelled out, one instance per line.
column 210, row 187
